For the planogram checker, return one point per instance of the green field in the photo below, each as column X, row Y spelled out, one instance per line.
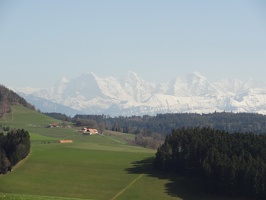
column 99, row 167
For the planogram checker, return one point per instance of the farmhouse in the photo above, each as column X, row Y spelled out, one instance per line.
column 53, row 125
column 89, row 131
column 65, row 141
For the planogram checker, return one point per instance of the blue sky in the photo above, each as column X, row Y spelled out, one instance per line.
column 42, row 41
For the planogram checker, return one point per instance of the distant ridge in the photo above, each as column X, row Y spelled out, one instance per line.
column 131, row 95
column 46, row 105
column 8, row 98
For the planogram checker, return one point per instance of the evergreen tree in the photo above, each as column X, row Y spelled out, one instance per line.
column 14, row 146
column 228, row 164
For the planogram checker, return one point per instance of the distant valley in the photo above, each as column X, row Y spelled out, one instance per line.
column 132, row 95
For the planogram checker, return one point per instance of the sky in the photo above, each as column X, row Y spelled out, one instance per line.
column 43, row 41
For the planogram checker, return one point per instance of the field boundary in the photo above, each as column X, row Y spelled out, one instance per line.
column 131, row 183
column 22, row 162
column 113, row 139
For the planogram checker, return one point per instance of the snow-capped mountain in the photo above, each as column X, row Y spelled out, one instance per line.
column 131, row 95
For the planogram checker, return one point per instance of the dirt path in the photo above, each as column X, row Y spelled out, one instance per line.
column 131, row 183
column 113, row 139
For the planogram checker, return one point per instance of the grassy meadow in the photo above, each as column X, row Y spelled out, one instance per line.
column 92, row 167
column 101, row 167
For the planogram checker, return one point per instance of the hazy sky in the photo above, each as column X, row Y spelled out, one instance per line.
column 42, row 41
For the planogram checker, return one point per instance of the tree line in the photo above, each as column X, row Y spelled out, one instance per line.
column 150, row 131
column 164, row 123
column 14, row 146
column 228, row 164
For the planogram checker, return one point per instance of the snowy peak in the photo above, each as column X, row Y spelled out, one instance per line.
column 86, row 78
column 86, row 86
column 131, row 94
column 194, row 78
column 60, row 86
column 237, row 86
column 132, row 77
column 63, row 80
column 136, row 87
column 192, row 84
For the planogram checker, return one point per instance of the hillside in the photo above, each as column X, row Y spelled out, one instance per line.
column 92, row 167
column 9, row 98
column 106, row 156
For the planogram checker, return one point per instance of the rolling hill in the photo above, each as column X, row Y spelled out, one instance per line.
column 8, row 98
column 92, row 167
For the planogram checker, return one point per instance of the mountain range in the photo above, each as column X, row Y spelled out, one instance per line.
column 132, row 95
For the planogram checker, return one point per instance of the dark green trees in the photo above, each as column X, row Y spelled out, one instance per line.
column 229, row 164
column 164, row 123
column 14, row 147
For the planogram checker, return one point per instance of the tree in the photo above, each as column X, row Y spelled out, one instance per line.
column 228, row 164
column 14, row 146
column 101, row 128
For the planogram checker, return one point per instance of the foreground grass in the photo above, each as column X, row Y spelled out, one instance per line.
column 31, row 197
column 67, row 171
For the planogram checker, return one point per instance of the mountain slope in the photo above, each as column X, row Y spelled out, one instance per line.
column 8, row 98
column 131, row 95
column 44, row 104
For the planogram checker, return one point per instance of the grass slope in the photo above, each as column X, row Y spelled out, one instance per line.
column 67, row 171
column 92, row 167
column 32, row 197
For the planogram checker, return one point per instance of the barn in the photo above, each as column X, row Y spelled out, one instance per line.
column 65, row 141
column 89, row 131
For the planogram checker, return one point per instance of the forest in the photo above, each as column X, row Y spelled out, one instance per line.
column 164, row 123
column 227, row 164
column 14, row 146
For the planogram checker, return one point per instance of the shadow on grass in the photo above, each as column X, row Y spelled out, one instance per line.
column 184, row 187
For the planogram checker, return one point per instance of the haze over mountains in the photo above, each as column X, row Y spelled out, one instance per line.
column 131, row 95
